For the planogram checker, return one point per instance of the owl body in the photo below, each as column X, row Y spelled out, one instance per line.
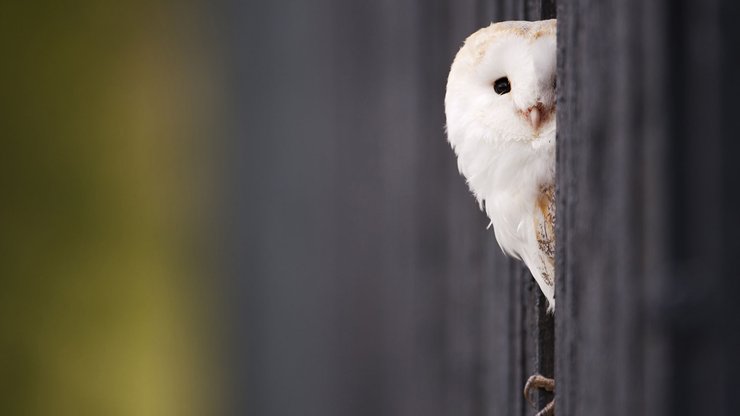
column 500, row 107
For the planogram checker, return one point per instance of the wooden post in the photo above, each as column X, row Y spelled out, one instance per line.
column 647, row 214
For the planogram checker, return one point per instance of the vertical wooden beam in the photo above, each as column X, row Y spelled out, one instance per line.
column 646, row 322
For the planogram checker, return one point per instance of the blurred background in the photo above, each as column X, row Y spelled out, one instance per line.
column 107, row 290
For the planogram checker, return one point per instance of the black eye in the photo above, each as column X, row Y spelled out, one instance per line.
column 502, row 86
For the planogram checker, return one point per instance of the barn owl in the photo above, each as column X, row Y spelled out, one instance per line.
column 500, row 107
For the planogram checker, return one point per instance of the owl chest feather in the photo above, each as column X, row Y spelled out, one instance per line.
column 507, row 180
column 514, row 183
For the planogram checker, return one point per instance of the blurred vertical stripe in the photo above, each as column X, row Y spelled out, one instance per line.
column 105, row 300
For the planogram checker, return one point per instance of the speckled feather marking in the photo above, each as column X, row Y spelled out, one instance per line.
column 481, row 39
column 544, row 225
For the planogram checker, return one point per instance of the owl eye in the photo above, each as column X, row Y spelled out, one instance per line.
column 502, row 86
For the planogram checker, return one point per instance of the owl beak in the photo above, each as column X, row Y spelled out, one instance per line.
column 534, row 117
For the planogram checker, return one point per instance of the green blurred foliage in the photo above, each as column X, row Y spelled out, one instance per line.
column 103, row 304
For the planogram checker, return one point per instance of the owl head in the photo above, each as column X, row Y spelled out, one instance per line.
column 501, row 86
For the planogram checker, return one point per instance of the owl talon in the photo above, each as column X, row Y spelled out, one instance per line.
column 538, row 381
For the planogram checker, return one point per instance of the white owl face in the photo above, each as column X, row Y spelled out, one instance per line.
column 502, row 84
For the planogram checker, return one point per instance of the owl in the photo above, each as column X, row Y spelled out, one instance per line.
column 500, row 108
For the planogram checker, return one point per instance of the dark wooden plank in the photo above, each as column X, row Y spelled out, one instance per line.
column 599, row 223
column 646, row 208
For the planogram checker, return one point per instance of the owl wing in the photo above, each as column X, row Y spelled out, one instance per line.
column 544, row 228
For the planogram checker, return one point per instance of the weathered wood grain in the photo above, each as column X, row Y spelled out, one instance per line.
column 647, row 187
